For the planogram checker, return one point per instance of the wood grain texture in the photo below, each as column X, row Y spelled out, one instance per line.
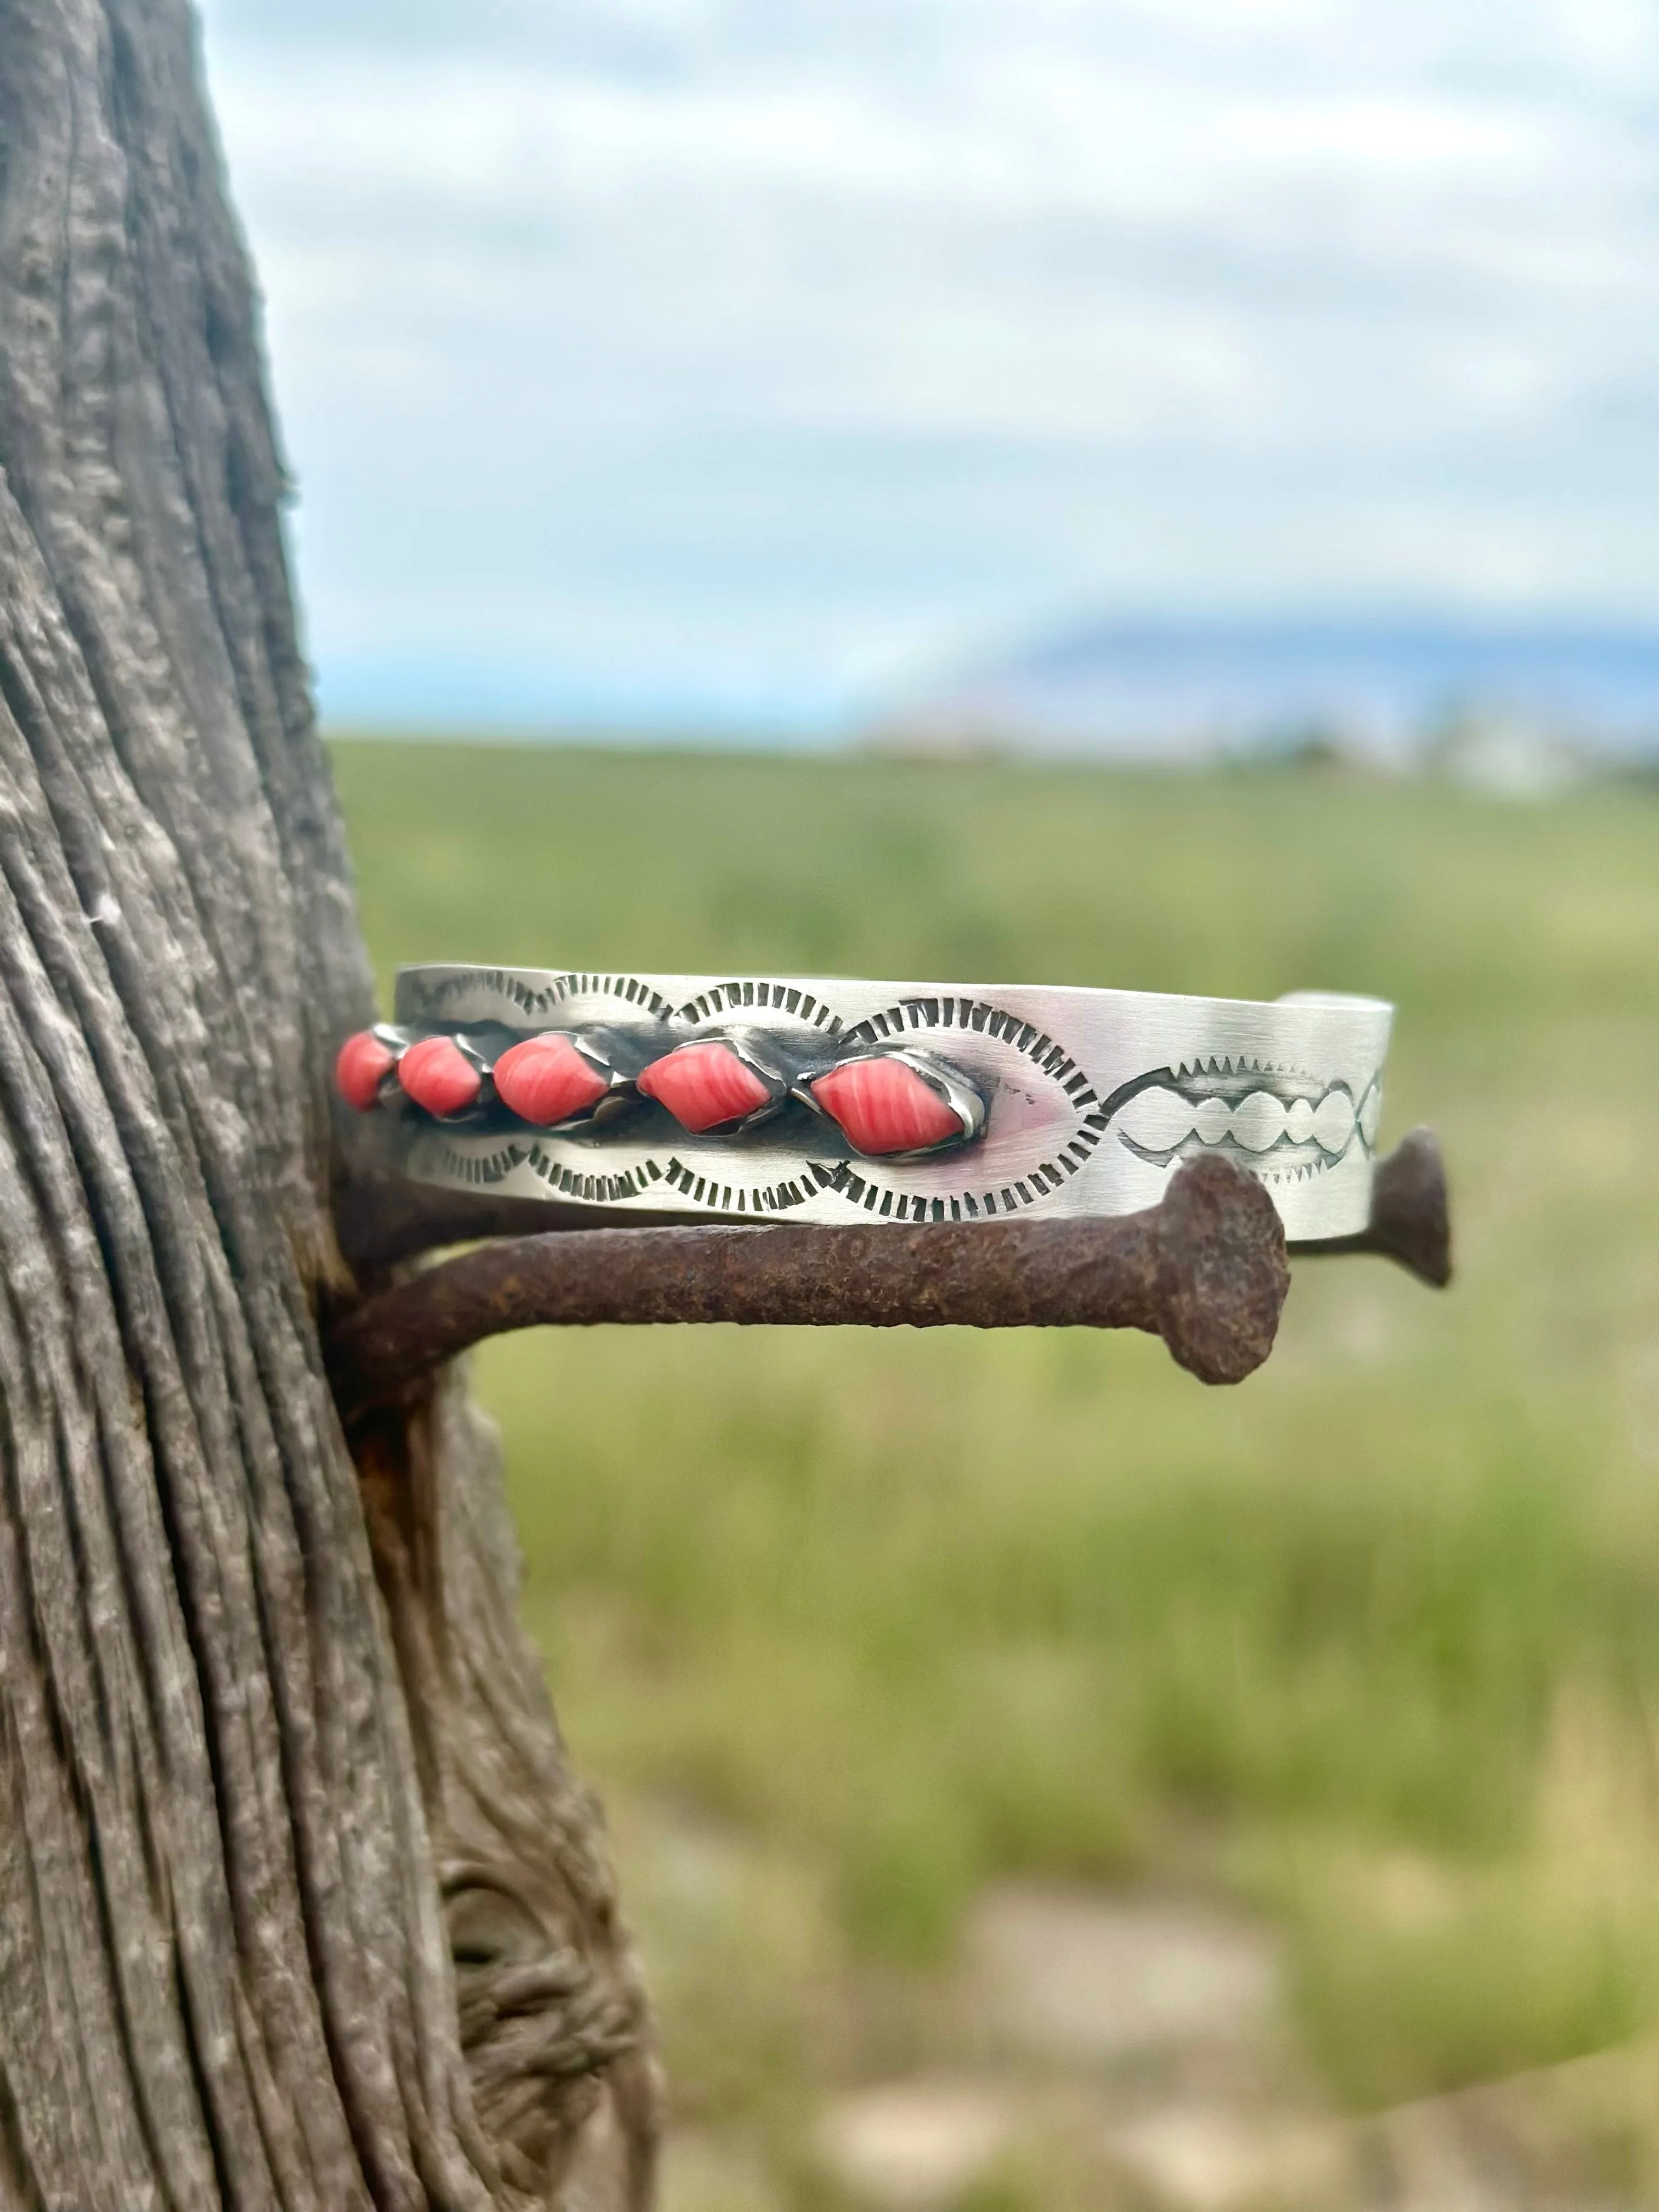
column 300, row 1906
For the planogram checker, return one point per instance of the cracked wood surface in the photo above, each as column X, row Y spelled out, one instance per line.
column 301, row 1905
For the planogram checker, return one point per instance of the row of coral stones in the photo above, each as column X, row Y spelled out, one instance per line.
column 883, row 1104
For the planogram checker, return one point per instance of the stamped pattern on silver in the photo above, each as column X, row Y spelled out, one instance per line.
column 767, row 1098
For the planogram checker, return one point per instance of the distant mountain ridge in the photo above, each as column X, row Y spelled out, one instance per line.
column 1177, row 690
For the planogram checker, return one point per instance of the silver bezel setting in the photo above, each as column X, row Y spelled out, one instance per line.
column 616, row 1096
column 963, row 1100
column 740, row 1041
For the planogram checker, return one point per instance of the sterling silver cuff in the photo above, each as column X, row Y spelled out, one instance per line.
column 817, row 1099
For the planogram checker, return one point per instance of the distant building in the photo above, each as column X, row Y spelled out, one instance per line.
column 1511, row 707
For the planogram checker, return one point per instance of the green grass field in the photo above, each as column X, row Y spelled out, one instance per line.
column 1370, row 1643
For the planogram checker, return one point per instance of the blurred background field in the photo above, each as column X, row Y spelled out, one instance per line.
column 897, row 1657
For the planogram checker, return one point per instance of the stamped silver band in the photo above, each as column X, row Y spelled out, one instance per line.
column 819, row 1099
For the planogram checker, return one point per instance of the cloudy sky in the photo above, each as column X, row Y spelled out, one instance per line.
column 744, row 361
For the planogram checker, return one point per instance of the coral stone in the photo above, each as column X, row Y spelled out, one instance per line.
column 884, row 1106
column 361, row 1066
column 547, row 1079
column 704, row 1086
column 438, row 1075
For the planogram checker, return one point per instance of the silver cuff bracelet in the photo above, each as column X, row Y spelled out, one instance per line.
column 770, row 1097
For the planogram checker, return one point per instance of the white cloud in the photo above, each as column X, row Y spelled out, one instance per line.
column 692, row 337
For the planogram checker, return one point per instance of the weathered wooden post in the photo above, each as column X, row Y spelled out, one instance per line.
column 299, row 1903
